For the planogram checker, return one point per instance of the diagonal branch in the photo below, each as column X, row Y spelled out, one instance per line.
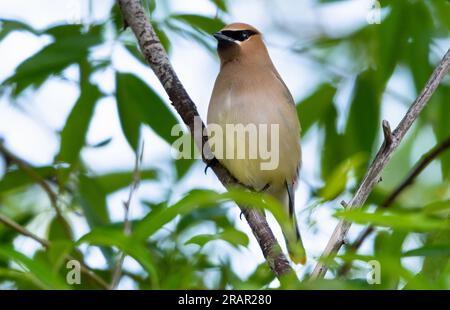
column 28, row 169
column 46, row 244
column 117, row 272
column 426, row 159
column 381, row 159
column 158, row 60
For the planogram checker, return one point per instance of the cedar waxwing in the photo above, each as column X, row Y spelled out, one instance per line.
column 249, row 90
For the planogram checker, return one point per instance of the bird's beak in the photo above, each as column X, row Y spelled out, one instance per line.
column 223, row 38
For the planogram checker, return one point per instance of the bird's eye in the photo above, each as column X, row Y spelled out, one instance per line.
column 238, row 35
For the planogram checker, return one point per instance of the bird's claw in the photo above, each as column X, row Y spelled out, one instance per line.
column 266, row 187
column 210, row 163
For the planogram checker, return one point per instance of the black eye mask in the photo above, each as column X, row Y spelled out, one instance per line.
column 238, row 35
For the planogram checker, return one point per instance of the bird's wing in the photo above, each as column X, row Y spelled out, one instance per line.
column 287, row 93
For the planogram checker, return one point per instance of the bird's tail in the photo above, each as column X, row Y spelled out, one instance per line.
column 295, row 248
column 294, row 242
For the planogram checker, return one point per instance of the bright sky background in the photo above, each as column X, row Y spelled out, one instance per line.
column 29, row 125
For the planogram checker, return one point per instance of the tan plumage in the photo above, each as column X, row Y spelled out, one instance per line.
column 249, row 90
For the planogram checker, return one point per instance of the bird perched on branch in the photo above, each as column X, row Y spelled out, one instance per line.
column 254, row 114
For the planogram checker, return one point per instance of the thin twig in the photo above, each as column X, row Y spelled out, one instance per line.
column 23, row 165
column 426, row 159
column 387, row 133
column 420, row 166
column 47, row 244
column 22, row 230
column 117, row 272
column 158, row 60
column 28, row 169
column 381, row 159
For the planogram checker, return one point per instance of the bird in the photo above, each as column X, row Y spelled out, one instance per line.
column 249, row 90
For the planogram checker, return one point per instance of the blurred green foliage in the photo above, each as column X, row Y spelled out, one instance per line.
column 177, row 257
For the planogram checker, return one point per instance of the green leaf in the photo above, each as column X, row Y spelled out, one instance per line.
column 203, row 23
column 388, row 250
column 130, row 119
column 113, row 237
column 21, row 280
column 202, row 240
column 262, row 276
column 114, row 181
column 58, row 252
column 391, row 41
column 116, row 18
column 183, row 166
column 7, row 26
column 400, row 164
column 73, row 135
column 435, row 250
column 186, row 152
column 151, row 5
column 435, row 265
column 59, row 229
column 400, row 221
column 193, row 34
column 163, row 38
column 206, row 199
column 156, row 220
column 334, row 145
column 8, row 235
column 391, row 270
column 137, row 103
column 230, row 235
column 337, row 181
column 363, row 122
column 52, row 59
column 154, row 207
column 441, row 12
column 438, row 112
column 313, row 108
column 14, row 179
column 438, row 207
column 218, row 215
column 221, row 5
column 41, row 272
column 61, row 32
column 418, row 51
column 92, row 199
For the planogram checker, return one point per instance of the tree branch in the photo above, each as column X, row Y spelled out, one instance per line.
column 158, row 60
column 117, row 272
column 46, row 244
column 426, row 159
column 28, row 169
column 381, row 159
column 23, row 231
column 32, row 174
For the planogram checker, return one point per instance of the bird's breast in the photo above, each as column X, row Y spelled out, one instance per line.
column 258, row 127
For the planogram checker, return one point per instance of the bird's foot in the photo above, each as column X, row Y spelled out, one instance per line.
column 211, row 163
column 265, row 188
